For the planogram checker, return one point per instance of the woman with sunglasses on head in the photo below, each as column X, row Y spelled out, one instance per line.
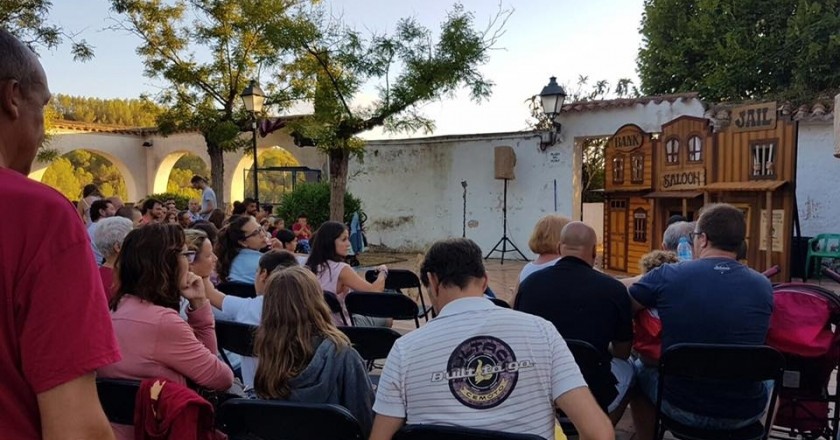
column 152, row 275
column 303, row 356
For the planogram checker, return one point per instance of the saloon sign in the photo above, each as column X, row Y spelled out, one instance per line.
column 685, row 179
column 628, row 138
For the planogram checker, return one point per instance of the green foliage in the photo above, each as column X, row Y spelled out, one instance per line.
column 203, row 90
column 71, row 172
column 273, row 184
column 182, row 202
column 313, row 199
column 737, row 50
column 126, row 112
column 331, row 64
column 27, row 19
column 182, row 172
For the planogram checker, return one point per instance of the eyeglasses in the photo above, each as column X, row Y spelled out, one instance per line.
column 693, row 235
column 256, row 232
column 190, row 255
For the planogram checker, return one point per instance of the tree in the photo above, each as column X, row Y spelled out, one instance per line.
column 71, row 172
column 27, row 20
column 203, row 95
column 740, row 49
column 125, row 112
column 331, row 64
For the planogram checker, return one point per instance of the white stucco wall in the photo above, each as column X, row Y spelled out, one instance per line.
column 817, row 180
column 412, row 193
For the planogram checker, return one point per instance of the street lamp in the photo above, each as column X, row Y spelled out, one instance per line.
column 552, row 98
column 253, row 98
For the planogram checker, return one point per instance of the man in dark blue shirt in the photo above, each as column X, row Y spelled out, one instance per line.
column 713, row 299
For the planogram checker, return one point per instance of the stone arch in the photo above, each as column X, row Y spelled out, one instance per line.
column 164, row 169
column 131, row 188
column 236, row 184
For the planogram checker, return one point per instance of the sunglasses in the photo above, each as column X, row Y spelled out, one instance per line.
column 255, row 233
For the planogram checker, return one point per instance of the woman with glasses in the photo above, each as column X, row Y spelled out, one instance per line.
column 152, row 275
column 239, row 249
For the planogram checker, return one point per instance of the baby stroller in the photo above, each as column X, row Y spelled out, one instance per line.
column 358, row 241
column 804, row 328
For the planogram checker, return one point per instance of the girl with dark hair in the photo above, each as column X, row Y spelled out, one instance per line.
column 288, row 241
column 303, row 356
column 239, row 249
column 217, row 217
column 329, row 247
column 152, row 275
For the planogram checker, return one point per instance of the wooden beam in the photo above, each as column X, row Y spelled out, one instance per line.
column 685, row 207
column 706, row 198
column 768, row 221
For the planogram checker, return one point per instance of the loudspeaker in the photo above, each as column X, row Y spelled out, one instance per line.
column 505, row 160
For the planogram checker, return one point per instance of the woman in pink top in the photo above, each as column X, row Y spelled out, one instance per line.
column 152, row 274
column 330, row 245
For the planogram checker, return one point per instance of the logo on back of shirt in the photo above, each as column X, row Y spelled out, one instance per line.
column 482, row 372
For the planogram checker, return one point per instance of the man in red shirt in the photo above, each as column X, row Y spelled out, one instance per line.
column 55, row 330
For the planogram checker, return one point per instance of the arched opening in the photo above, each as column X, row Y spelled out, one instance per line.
column 175, row 171
column 273, row 183
column 70, row 172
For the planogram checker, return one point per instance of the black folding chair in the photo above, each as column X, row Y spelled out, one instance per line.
column 500, row 302
column 234, row 288
column 253, row 419
column 436, row 432
column 718, row 362
column 399, row 279
column 234, row 337
column 372, row 343
column 117, row 397
column 591, row 362
column 382, row 305
column 335, row 305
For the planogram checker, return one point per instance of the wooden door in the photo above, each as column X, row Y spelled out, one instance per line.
column 618, row 235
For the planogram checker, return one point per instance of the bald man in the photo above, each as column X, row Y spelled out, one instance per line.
column 586, row 305
column 55, row 330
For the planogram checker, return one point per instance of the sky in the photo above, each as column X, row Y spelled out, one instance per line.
column 543, row 38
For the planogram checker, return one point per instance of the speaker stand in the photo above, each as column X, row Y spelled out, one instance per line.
column 504, row 241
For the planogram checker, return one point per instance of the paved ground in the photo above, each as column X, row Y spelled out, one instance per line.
column 504, row 280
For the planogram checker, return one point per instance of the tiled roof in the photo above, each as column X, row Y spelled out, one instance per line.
column 89, row 127
column 586, row 106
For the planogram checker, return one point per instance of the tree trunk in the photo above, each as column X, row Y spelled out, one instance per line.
column 217, row 172
column 339, row 160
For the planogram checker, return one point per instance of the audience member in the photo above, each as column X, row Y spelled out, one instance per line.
column 131, row 213
column 99, row 209
column 303, row 356
column 55, row 330
column 330, row 246
column 249, row 310
column 170, row 205
column 184, row 219
column 238, row 249
column 90, row 194
column 676, row 218
column 586, row 305
column 251, row 207
column 303, row 232
column 288, row 241
column 108, row 239
column 209, row 229
column 478, row 365
column 711, row 299
column 208, row 197
column 238, row 208
column 279, row 225
column 116, row 201
column 194, row 210
column 217, row 218
column 152, row 210
column 647, row 328
column 545, row 242
column 170, row 218
column 265, row 211
column 674, row 232
column 152, row 276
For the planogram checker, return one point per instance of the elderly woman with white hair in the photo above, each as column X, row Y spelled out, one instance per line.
column 108, row 239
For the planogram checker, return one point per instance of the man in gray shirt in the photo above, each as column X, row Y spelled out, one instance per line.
column 208, row 196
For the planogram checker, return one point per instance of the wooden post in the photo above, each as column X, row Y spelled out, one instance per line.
column 768, row 219
column 685, row 207
column 706, row 198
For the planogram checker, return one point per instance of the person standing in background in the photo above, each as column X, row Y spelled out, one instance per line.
column 208, row 196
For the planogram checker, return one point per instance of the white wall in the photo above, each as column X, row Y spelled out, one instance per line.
column 817, row 180
column 411, row 189
column 593, row 215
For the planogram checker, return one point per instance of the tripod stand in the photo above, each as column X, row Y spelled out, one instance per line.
column 504, row 241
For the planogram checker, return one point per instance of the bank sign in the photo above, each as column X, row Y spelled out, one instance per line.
column 685, row 179
column 628, row 138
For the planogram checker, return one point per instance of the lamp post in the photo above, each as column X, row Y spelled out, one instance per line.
column 253, row 98
column 552, row 97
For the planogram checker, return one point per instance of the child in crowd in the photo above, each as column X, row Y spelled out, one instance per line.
column 647, row 342
column 303, row 232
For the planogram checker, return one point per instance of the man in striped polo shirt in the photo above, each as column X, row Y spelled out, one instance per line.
column 481, row 366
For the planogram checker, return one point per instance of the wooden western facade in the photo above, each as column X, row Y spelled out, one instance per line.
column 749, row 163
